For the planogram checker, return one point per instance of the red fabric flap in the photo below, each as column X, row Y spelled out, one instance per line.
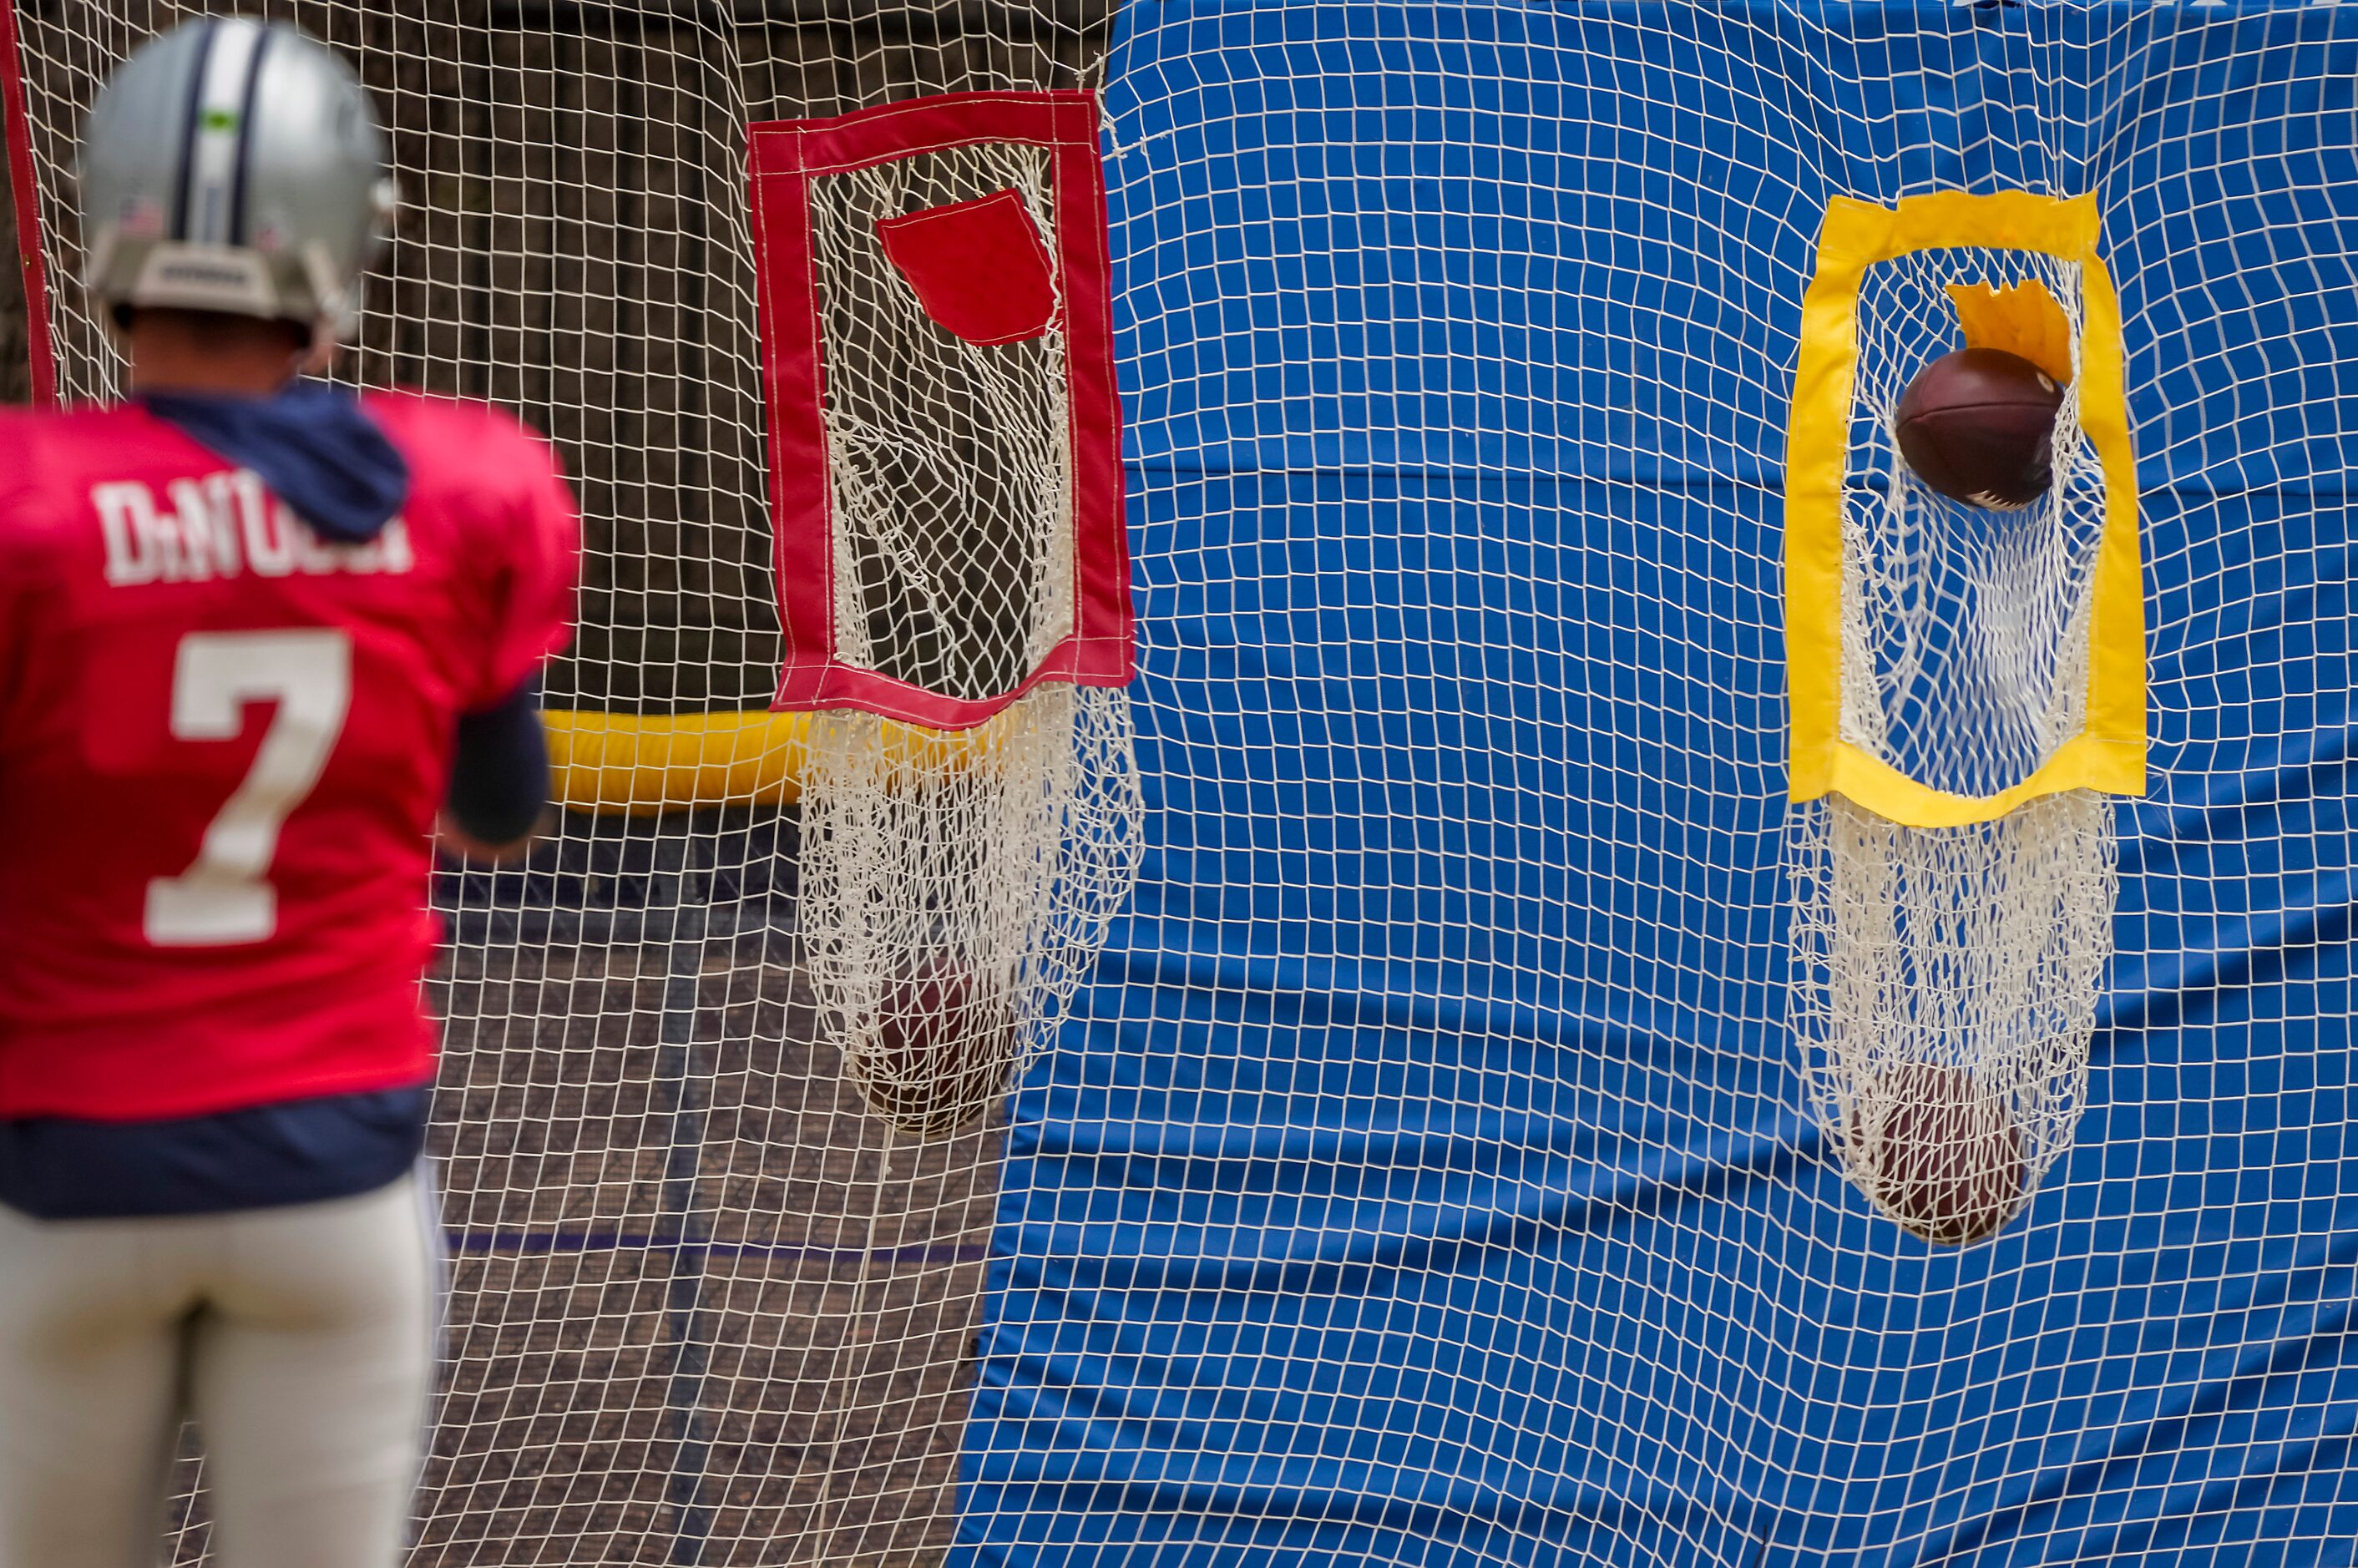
column 979, row 267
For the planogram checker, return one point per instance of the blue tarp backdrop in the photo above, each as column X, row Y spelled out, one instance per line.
column 1423, row 1179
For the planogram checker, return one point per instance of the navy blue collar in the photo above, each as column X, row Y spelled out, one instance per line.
column 312, row 443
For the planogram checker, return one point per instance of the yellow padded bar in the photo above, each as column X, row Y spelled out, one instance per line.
column 641, row 764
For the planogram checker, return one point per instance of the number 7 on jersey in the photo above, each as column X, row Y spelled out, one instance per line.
column 225, row 895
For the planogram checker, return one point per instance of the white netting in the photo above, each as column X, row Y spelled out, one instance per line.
column 1438, row 1185
column 955, row 889
column 949, row 461
column 708, row 1306
column 1978, row 949
column 1958, row 963
column 1964, row 628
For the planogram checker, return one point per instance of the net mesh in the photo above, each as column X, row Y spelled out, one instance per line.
column 1462, row 338
column 1965, row 628
column 1922, row 953
column 955, row 891
column 708, row 1304
column 1980, row 949
column 952, row 509
column 1437, row 1186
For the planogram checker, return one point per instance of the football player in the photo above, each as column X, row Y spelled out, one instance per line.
column 255, row 634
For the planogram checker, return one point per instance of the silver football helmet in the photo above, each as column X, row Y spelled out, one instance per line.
column 231, row 165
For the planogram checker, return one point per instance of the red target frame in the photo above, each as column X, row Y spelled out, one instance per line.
column 785, row 156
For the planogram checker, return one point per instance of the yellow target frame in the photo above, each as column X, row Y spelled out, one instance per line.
column 2109, row 753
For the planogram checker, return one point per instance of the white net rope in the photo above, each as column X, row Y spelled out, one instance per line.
column 1460, row 336
column 708, row 1304
column 955, row 891
column 948, row 460
column 1487, row 316
column 1964, row 628
column 1977, row 950
column 1948, row 976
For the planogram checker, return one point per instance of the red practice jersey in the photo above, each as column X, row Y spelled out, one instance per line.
column 222, row 746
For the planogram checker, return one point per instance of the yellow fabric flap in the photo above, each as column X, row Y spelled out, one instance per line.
column 2022, row 318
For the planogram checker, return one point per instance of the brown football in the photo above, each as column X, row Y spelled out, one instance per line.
column 942, row 1050
column 1978, row 426
column 1937, row 1152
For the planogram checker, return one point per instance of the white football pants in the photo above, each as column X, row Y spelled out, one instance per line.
column 301, row 1339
